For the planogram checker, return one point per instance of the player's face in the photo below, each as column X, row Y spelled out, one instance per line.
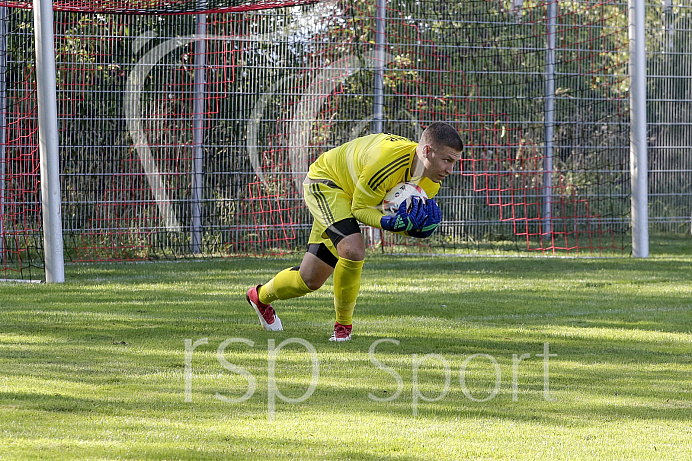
column 439, row 162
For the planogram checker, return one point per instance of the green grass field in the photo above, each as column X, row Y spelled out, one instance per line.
column 448, row 362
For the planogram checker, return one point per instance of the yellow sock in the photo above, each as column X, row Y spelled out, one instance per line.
column 286, row 284
column 346, row 287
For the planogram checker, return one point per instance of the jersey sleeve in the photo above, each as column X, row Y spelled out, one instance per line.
column 373, row 184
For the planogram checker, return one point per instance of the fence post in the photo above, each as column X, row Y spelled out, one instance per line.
column 198, row 134
column 380, row 38
column 549, row 111
column 49, row 151
column 638, row 148
column 378, row 84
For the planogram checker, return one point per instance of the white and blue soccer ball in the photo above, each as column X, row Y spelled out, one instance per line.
column 404, row 191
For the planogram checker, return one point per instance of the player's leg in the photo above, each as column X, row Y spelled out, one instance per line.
column 317, row 265
column 315, row 268
column 293, row 282
column 331, row 206
column 350, row 247
column 335, row 245
column 287, row 284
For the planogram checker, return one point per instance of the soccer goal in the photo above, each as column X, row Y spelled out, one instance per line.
column 185, row 128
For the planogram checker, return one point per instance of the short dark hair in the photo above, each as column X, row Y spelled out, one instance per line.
column 444, row 134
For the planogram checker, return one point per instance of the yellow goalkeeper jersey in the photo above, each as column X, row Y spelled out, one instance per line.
column 367, row 168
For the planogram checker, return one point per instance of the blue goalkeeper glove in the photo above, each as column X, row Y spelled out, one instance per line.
column 404, row 221
column 431, row 223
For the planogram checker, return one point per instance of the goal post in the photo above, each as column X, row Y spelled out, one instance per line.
column 49, row 149
column 197, row 186
column 638, row 132
column 3, row 123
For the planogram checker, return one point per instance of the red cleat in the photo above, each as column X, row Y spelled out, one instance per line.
column 341, row 332
column 268, row 318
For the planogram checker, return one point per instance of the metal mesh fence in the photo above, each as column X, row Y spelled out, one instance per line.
column 189, row 134
column 669, row 96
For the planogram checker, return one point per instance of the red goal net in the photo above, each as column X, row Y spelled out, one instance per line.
column 155, row 7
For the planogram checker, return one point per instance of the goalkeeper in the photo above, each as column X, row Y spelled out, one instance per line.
column 344, row 187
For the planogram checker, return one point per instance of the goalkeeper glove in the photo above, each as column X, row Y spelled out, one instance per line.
column 405, row 221
column 431, row 222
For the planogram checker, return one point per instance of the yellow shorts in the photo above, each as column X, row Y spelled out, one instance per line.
column 330, row 207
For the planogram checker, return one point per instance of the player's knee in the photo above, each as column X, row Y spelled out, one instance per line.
column 313, row 282
column 354, row 252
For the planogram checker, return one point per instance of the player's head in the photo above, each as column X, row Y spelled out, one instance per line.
column 439, row 149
